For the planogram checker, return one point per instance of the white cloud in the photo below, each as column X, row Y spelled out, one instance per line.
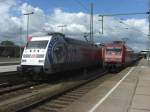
column 36, row 20
column 76, row 24
column 8, row 23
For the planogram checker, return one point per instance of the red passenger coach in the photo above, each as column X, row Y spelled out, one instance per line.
column 100, row 53
column 117, row 54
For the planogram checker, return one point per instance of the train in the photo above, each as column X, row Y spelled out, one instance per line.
column 118, row 55
column 56, row 53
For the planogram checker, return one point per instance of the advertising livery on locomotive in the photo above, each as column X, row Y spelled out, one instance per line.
column 55, row 53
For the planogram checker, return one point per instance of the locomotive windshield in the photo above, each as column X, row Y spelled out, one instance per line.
column 117, row 50
column 37, row 44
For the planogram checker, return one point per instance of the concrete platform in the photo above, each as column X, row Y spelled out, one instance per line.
column 9, row 61
column 126, row 92
column 9, row 68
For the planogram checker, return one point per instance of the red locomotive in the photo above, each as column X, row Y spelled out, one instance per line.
column 117, row 55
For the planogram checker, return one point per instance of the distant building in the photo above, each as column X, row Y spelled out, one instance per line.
column 146, row 53
column 10, row 51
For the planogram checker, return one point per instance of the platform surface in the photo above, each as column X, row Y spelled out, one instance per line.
column 9, row 61
column 127, row 92
column 9, row 68
column 6, row 59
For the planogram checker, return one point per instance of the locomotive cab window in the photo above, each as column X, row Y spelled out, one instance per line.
column 37, row 44
column 113, row 50
column 118, row 50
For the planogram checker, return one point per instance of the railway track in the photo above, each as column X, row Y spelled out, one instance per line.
column 13, row 81
column 16, row 87
column 10, row 78
column 15, row 93
column 3, row 84
column 62, row 101
column 52, row 96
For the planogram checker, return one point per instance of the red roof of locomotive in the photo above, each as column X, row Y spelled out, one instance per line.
column 115, row 43
column 119, row 44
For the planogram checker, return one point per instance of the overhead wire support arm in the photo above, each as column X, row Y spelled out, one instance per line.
column 119, row 14
column 62, row 27
column 82, row 5
column 122, row 14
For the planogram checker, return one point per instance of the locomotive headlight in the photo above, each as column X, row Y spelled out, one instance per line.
column 40, row 55
column 23, row 60
column 41, row 61
column 26, row 55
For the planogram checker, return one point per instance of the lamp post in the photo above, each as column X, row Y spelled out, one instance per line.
column 28, row 14
column 148, row 30
column 20, row 42
column 62, row 27
column 102, row 23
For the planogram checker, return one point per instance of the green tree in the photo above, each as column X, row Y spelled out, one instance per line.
column 7, row 43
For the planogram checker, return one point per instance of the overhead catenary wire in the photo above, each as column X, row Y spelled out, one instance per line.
column 90, row 10
column 123, row 14
column 82, row 5
column 127, row 25
column 132, row 27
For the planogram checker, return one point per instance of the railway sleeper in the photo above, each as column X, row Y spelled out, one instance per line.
column 55, row 105
column 70, row 97
column 61, row 102
column 76, row 93
column 46, row 109
column 66, row 99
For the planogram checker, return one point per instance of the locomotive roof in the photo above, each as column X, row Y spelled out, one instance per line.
column 56, row 33
column 114, row 44
column 119, row 45
column 71, row 40
column 77, row 42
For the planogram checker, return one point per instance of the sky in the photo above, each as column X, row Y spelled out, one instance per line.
column 49, row 14
column 100, row 6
